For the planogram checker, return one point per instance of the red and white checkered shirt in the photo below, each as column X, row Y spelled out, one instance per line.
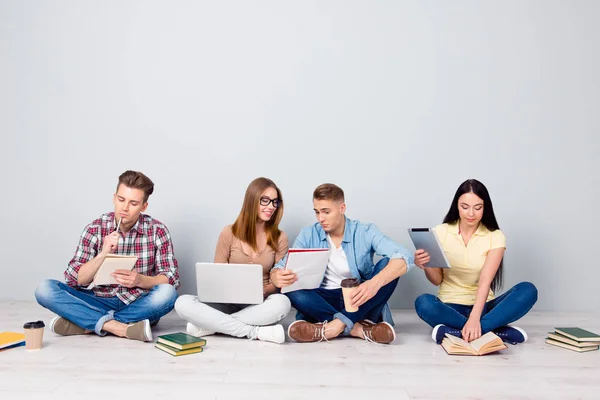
column 148, row 239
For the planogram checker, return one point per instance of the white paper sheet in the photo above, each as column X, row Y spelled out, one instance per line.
column 309, row 265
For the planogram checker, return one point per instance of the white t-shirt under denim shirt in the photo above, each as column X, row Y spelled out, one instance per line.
column 337, row 268
column 361, row 241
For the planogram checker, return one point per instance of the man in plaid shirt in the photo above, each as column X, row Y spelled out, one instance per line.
column 142, row 295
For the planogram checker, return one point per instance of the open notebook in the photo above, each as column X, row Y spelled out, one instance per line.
column 309, row 265
column 111, row 263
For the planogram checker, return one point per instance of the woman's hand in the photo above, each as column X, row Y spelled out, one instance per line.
column 471, row 330
column 268, row 289
column 421, row 258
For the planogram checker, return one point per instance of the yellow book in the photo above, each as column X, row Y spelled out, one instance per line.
column 181, row 341
column 487, row 343
column 571, row 347
column 175, row 352
column 11, row 339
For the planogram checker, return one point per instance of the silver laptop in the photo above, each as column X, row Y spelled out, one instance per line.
column 230, row 283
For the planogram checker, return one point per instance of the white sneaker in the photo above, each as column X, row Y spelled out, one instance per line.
column 197, row 331
column 273, row 333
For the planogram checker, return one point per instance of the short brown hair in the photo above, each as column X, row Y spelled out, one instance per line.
column 137, row 180
column 329, row 191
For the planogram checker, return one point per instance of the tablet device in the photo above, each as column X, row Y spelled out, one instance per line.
column 426, row 239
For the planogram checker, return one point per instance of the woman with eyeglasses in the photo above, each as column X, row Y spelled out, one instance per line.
column 254, row 238
column 466, row 304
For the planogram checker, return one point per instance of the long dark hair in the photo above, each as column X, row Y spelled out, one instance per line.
column 488, row 219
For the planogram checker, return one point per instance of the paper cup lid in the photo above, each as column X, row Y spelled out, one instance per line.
column 34, row 325
column 350, row 282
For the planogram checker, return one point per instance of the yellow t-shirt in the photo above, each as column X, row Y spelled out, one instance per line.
column 459, row 285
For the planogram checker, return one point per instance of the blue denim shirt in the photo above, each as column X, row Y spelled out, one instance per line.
column 360, row 243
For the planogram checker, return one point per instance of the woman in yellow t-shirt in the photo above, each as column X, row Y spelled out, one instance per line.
column 474, row 245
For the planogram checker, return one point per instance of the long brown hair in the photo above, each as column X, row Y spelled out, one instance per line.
column 244, row 227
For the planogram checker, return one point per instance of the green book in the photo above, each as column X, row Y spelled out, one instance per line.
column 175, row 352
column 181, row 341
column 572, row 342
column 581, row 335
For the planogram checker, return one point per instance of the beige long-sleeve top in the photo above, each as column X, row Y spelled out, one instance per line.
column 231, row 250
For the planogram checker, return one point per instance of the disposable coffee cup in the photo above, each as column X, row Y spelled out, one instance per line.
column 348, row 287
column 34, row 333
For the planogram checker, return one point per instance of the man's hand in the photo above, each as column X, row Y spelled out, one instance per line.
column 282, row 277
column 129, row 279
column 421, row 258
column 110, row 243
column 364, row 292
column 471, row 330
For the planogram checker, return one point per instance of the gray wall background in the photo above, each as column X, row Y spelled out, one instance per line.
column 398, row 102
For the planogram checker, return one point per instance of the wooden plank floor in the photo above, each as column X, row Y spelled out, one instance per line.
column 413, row 367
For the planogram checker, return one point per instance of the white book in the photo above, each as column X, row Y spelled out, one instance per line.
column 309, row 265
column 111, row 263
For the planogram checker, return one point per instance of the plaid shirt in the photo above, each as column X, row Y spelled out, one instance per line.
column 148, row 239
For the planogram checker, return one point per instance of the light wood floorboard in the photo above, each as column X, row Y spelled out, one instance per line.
column 413, row 367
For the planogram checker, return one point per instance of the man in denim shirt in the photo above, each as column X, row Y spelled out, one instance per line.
column 321, row 312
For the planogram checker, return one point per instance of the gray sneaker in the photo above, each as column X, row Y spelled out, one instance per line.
column 139, row 331
column 64, row 327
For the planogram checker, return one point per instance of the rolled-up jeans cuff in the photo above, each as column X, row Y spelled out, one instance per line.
column 349, row 324
column 102, row 321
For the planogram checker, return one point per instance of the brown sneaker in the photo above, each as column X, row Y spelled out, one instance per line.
column 64, row 327
column 139, row 331
column 305, row 332
column 379, row 333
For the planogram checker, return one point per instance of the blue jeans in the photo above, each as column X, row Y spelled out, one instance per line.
column 91, row 312
column 319, row 305
column 501, row 311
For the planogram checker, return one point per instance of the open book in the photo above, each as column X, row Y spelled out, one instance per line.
column 111, row 263
column 487, row 343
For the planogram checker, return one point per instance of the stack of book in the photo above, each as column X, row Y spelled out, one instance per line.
column 575, row 339
column 179, row 344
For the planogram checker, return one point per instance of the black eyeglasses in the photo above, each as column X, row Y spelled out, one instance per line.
column 265, row 201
